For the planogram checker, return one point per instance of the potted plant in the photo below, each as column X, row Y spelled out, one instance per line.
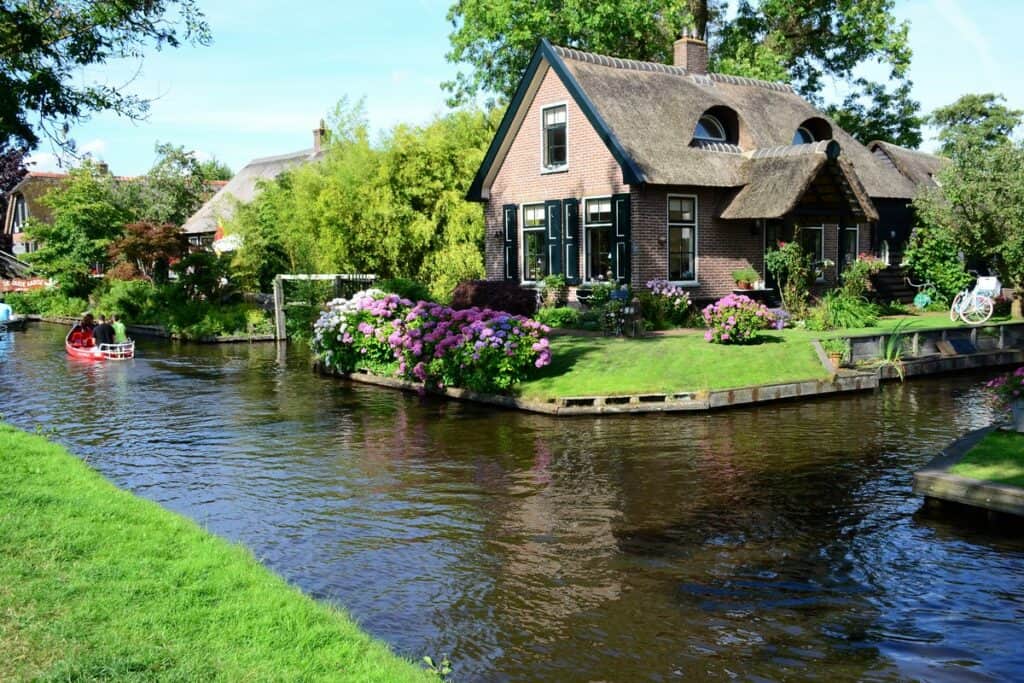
column 1009, row 392
column 836, row 350
column 556, row 290
column 745, row 277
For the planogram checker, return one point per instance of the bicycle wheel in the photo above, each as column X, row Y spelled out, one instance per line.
column 954, row 309
column 979, row 310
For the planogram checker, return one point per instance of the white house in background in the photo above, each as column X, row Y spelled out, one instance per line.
column 206, row 225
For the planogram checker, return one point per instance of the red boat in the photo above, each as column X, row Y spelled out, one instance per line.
column 125, row 351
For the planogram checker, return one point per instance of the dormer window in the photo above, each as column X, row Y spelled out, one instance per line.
column 803, row 136
column 556, row 144
column 710, row 129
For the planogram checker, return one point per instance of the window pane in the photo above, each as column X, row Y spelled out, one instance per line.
column 554, row 116
column 709, row 128
column 810, row 241
column 802, row 137
column 599, row 253
column 533, row 216
column 599, row 210
column 535, row 255
column 554, row 137
column 849, row 246
column 680, row 210
column 681, row 254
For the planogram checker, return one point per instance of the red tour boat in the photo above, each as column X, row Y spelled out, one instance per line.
column 84, row 348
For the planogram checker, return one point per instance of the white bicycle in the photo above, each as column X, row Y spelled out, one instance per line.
column 975, row 306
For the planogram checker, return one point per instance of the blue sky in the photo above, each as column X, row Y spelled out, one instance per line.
column 276, row 68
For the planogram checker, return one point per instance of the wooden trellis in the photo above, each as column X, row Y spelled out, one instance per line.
column 341, row 282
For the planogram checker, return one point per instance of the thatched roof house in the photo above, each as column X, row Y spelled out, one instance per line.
column 203, row 225
column 24, row 202
column 615, row 168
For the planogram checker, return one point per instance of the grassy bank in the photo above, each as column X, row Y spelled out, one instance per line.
column 998, row 458
column 595, row 366
column 684, row 362
column 96, row 583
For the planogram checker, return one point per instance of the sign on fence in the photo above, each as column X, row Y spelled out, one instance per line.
column 23, row 284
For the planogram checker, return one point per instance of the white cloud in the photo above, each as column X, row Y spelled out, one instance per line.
column 95, row 147
column 44, row 161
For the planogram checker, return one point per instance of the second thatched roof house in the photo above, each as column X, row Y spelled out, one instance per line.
column 203, row 226
column 614, row 169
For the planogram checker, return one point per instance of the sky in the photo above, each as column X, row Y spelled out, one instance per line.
column 276, row 68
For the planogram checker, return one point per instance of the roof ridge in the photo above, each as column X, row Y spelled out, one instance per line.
column 819, row 147
column 280, row 157
column 658, row 67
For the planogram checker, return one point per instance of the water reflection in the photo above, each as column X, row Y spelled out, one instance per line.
column 779, row 542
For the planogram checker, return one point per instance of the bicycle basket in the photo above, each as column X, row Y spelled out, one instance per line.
column 988, row 286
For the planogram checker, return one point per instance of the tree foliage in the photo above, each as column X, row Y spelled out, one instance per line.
column 172, row 190
column 88, row 214
column 45, row 44
column 805, row 42
column 974, row 121
column 980, row 198
column 395, row 208
column 12, row 170
column 149, row 249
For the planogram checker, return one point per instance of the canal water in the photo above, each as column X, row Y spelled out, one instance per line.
column 780, row 542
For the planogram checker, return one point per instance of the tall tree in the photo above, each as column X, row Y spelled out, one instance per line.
column 805, row 42
column 45, row 44
column 975, row 121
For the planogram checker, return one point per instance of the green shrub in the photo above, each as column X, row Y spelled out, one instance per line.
column 857, row 275
column 47, row 302
column 136, row 301
column 837, row 311
column 405, row 288
column 794, row 271
column 933, row 256
column 601, row 294
column 745, row 274
column 562, row 316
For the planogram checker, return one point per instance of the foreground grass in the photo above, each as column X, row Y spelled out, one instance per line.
column 600, row 366
column 98, row 584
column 998, row 458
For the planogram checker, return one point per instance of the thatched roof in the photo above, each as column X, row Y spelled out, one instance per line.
column 653, row 109
column 242, row 189
column 33, row 187
column 777, row 178
column 11, row 268
column 646, row 113
column 920, row 168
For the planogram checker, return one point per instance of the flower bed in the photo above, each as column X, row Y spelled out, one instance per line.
column 735, row 319
column 482, row 350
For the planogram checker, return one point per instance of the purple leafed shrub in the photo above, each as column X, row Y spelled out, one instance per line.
column 735, row 319
column 483, row 350
column 509, row 297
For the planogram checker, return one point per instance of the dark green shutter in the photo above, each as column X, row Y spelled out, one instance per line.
column 572, row 241
column 511, row 242
column 553, row 219
column 621, row 245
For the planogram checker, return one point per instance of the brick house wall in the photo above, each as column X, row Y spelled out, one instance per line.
column 592, row 170
column 722, row 246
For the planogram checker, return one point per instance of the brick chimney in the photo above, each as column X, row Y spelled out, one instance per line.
column 691, row 53
column 319, row 137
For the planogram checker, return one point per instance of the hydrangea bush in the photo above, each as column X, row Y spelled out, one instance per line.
column 735, row 319
column 483, row 350
column 671, row 300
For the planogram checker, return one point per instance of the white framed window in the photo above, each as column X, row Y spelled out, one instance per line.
column 535, row 249
column 597, row 224
column 20, row 214
column 554, row 121
column 851, row 244
column 682, row 239
column 812, row 241
column 710, row 129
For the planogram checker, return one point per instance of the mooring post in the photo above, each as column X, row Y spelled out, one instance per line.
column 279, row 329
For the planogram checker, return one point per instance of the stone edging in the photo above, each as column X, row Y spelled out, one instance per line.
column 935, row 481
column 636, row 403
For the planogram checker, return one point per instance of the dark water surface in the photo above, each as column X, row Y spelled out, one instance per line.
column 780, row 542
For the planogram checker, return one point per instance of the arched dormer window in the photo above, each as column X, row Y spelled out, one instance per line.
column 718, row 125
column 803, row 136
column 811, row 131
column 710, row 129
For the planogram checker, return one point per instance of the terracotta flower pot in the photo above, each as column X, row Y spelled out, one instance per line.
column 744, row 285
column 836, row 358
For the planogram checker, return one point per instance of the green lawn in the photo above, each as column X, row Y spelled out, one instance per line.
column 98, row 584
column 602, row 366
column 999, row 458
column 596, row 366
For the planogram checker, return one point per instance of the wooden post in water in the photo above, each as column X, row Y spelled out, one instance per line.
column 279, row 328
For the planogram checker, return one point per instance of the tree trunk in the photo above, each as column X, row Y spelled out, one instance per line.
column 1015, row 307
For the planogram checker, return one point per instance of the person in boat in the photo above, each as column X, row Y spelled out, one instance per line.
column 81, row 334
column 104, row 332
column 6, row 312
column 120, row 333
